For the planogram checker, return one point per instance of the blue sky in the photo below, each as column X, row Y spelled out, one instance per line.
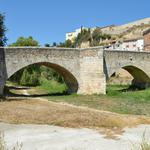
column 48, row 20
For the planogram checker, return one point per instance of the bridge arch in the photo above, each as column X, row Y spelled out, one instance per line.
column 140, row 77
column 69, row 78
column 136, row 63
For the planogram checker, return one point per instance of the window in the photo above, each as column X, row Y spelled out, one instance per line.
column 134, row 45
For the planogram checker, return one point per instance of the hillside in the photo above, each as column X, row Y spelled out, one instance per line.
column 102, row 36
column 127, row 31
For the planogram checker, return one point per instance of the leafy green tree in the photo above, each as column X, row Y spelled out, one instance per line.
column 17, row 76
column 32, row 75
column 67, row 43
column 98, row 36
column 34, row 79
column 54, row 44
column 3, row 38
column 47, row 45
column 23, row 41
column 84, row 36
column 25, row 78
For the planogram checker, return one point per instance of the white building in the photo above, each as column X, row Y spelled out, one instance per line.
column 133, row 44
column 128, row 45
column 72, row 35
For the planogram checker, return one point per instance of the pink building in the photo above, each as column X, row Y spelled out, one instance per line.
column 133, row 44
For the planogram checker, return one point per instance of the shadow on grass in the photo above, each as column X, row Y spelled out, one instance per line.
column 17, row 88
column 131, row 89
column 8, row 93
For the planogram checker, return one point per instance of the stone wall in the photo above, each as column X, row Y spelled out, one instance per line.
column 82, row 69
column 3, row 75
column 121, row 77
column 92, row 78
column 136, row 63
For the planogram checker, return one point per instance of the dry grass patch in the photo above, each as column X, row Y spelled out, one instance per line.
column 42, row 112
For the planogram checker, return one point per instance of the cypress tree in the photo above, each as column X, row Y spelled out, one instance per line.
column 3, row 38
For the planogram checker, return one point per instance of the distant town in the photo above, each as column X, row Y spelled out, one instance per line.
column 134, row 36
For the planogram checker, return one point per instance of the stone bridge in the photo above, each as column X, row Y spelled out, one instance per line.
column 136, row 63
column 85, row 71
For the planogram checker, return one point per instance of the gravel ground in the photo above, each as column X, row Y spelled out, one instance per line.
column 45, row 137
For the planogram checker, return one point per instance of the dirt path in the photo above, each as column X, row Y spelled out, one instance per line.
column 44, row 137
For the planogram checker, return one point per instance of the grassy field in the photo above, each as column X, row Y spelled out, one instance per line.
column 78, row 111
column 131, row 102
column 127, row 102
column 52, row 87
column 33, row 111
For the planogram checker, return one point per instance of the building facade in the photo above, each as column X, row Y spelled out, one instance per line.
column 133, row 44
column 72, row 35
column 128, row 45
column 147, row 40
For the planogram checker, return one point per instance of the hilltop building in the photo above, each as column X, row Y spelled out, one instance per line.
column 146, row 35
column 124, row 37
column 72, row 35
column 135, row 44
column 111, row 29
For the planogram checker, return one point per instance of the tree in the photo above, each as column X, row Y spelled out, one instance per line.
column 67, row 43
column 98, row 36
column 26, row 75
column 84, row 36
column 54, row 44
column 23, row 41
column 25, row 78
column 30, row 76
column 47, row 45
column 3, row 38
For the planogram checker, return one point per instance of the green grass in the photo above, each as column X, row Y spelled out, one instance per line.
column 131, row 102
column 52, row 87
column 135, row 102
column 138, row 96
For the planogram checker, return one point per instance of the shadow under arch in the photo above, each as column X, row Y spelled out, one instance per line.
column 69, row 78
column 140, row 79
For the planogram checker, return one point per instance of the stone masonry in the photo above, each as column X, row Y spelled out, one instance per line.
column 82, row 69
column 85, row 71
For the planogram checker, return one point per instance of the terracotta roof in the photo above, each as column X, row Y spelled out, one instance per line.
column 146, row 32
column 133, row 39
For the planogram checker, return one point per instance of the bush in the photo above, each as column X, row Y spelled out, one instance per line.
column 32, row 75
